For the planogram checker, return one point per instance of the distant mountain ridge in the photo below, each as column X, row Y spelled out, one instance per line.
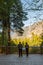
column 36, row 28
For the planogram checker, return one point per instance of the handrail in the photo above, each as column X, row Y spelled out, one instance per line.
column 29, row 46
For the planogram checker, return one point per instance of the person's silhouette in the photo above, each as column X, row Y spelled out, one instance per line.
column 27, row 49
column 20, row 49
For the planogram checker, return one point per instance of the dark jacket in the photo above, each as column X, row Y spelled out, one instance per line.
column 20, row 46
column 26, row 46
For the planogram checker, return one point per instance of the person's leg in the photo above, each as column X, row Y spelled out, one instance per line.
column 21, row 52
column 26, row 52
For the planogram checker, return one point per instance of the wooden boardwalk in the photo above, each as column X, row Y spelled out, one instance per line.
column 12, row 59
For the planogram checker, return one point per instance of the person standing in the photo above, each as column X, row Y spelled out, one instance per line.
column 27, row 49
column 20, row 46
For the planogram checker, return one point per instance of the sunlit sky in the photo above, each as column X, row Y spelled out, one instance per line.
column 33, row 15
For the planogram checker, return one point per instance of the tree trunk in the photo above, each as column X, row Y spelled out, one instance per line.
column 2, row 35
column 8, row 31
column 4, row 25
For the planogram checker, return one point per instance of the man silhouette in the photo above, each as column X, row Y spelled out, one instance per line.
column 27, row 49
column 20, row 49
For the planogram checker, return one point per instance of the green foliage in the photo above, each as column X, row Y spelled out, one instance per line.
column 12, row 43
column 42, row 37
column 6, row 8
column 41, row 41
column 34, row 40
column 0, row 39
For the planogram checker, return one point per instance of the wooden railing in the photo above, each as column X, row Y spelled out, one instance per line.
column 14, row 49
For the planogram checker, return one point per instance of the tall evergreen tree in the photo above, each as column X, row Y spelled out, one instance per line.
column 5, row 10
